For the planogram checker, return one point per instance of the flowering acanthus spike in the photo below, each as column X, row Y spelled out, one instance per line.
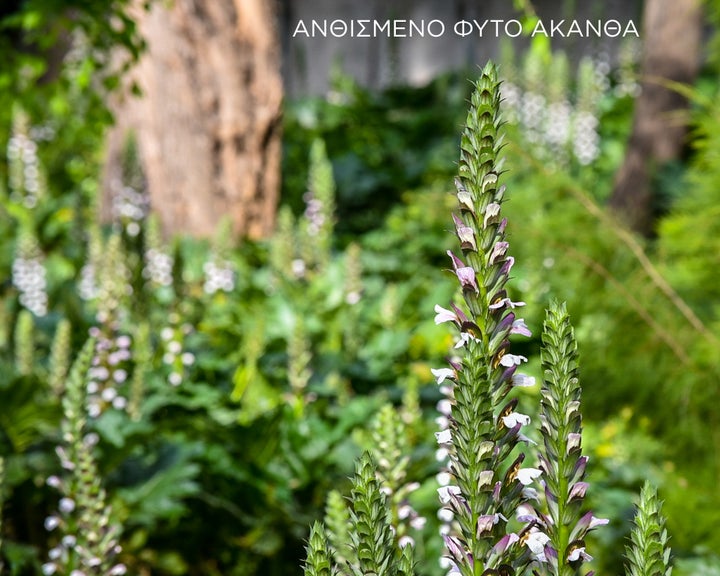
column 561, row 461
column 648, row 552
column 483, row 432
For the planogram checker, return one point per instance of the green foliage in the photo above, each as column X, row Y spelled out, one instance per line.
column 380, row 145
column 252, row 382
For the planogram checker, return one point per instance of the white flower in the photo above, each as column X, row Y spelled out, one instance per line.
column 446, row 493
column 444, row 406
column 512, row 419
column 406, row 541
column 530, row 493
column 52, row 522
column 492, row 210
column 525, row 513
column 512, row 360
column 505, row 302
column 442, row 373
column 579, row 554
column 119, row 403
column 526, row 475
column 443, row 437
column 69, row 541
column 443, row 478
column 418, row 523
column 465, row 337
column 536, row 543
column 522, row 380
column 444, row 315
column 595, row 522
column 66, row 505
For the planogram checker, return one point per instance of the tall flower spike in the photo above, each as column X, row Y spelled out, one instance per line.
column 482, row 434
column 90, row 535
column 561, row 461
column 648, row 553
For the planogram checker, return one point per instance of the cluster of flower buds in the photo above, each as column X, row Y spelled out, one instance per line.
column 558, row 126
column 175, row 357
column 25, row 178
column 158, row 267
column 28, row 274
column 129, row 207
column 220, row 272
column 316, row 227
column 219, row 276
column 108, row 374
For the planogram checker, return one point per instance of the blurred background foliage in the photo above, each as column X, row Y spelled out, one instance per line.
column 256, row 370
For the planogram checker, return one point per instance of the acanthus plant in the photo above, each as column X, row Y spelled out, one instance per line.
column 504, row 517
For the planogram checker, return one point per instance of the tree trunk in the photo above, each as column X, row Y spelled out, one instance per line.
column 672, row 32
column 207, row 125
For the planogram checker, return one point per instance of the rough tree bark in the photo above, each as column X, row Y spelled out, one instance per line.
column 208, row 123
column 672, row 32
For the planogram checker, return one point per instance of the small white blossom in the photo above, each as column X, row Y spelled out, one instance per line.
column 512, row 360
column 66, row 505
column 418, row 523
column 526, row 475
column 443, row 437
column 512, row 419
column 442, row 373
column 536, row 541
column 51, row 522
column 445, row 493
column 443, row 478
column 522, row 380
column 406, row 541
